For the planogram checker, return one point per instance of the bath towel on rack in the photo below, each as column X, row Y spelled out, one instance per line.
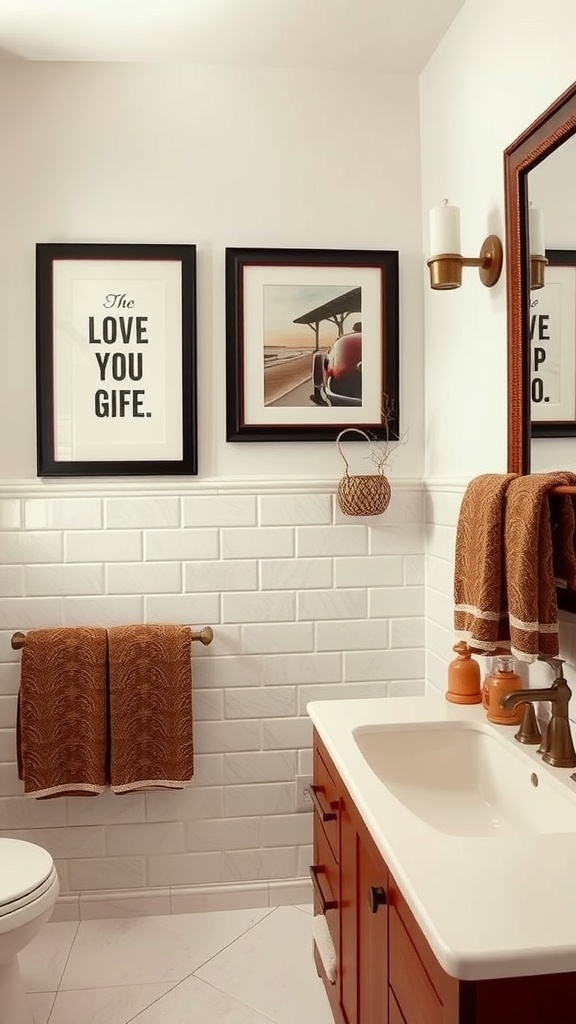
column 62, row 722
column 539, row 554
column 514, row 545
column 150, row 693
column 480, row 603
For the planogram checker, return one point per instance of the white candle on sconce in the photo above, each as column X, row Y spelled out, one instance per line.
column 444, row 229
column 536, row 231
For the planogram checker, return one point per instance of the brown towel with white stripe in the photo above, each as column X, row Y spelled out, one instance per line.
column 538, row 549
column 62, row 721
column 480, row 606
column 150, row 679
column 511, row 553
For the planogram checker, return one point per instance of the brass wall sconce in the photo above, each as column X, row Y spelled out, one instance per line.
column 446, row 267
column 538, row 261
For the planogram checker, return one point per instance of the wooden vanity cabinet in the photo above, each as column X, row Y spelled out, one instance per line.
column 386, row 972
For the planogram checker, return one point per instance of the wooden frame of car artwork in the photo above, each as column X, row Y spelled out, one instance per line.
column 312, row 342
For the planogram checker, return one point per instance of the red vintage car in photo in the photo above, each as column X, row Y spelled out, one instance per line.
column 337, row 373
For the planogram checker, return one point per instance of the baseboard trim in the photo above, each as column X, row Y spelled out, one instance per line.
column 87, row 906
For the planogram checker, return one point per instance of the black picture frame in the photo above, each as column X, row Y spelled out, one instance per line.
column 116, row 359
column 264, row 288
column 553, row 315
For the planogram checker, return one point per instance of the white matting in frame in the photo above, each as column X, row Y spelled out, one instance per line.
column 341, row 279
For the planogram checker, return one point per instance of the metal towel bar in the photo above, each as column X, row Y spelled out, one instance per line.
column 204, row 635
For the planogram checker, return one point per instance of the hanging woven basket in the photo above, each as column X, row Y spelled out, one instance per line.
column 367, row 495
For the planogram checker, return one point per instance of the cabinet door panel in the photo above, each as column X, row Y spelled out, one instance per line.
column 411, row 985
column 394, row 1013
column 372, row 896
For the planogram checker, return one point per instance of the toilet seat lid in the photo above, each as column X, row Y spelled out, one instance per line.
column 23, row 869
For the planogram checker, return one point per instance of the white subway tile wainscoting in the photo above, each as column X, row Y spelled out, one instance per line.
column 305, row 603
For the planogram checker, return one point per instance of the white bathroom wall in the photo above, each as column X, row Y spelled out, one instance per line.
column 217, row 157
column 497, row 68
column 304, row 602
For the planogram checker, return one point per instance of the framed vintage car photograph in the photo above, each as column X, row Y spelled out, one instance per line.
column 311, row 343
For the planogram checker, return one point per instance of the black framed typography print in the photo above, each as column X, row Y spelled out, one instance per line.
column 116, row 359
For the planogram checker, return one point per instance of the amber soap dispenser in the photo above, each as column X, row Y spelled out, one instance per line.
column 463, row 677
column 496, row 686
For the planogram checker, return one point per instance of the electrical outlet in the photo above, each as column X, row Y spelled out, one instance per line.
column 303, row 799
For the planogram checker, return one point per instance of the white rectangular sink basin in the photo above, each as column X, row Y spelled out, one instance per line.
column 463, row 780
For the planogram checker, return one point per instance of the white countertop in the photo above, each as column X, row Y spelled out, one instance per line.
column 490, row 907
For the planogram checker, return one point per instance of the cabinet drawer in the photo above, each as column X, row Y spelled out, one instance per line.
column 394, row 1011
column 326, row 804
column 412, row 987
column 326, row 884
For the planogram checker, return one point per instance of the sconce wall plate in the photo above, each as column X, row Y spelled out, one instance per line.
column 490, row 266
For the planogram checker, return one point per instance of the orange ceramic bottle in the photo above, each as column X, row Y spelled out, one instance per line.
column 463, row 677
column 501, row 682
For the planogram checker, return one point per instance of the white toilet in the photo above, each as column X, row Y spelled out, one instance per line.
column 28, row 891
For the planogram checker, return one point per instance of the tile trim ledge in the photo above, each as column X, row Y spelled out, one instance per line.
column 85, row 906
column 104, row 487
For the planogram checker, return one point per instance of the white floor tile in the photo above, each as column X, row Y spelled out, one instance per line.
column 41, row 1004
column 308, row 908
column 42, row 963
column 150, row 949
column 105, row 1005
column 194, row 1002
column 67, row 909
column 271, row 968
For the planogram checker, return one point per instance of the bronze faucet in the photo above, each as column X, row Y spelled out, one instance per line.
column 558, row 747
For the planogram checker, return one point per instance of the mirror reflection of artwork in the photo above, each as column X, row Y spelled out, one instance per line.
column 552, row 323
column 553, row 345
column 312, row 345
column 546, row 352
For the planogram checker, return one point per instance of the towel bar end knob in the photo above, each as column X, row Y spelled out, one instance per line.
column 205, row 635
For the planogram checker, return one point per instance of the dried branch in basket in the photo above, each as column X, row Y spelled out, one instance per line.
column 381, row 453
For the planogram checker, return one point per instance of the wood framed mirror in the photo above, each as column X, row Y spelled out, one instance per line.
column 542, row 138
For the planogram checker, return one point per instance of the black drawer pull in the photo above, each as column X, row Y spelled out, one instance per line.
column 324, row 810
column 376, row 897
column 325, row 904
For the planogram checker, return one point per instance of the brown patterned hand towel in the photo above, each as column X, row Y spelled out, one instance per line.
column 539, row 550
column 62, row 712
column 150, row 707
column 480, row 611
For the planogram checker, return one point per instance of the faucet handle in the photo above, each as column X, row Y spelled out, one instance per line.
column 529, row 731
